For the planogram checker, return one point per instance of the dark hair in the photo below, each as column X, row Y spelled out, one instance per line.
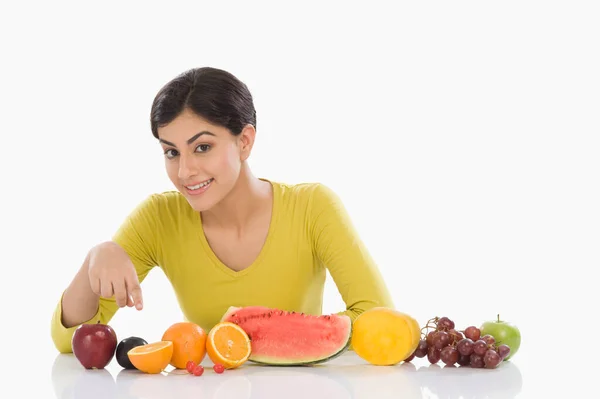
column 213, row 94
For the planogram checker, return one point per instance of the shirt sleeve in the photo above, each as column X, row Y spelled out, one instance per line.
column 137, row 235
column 338, row 245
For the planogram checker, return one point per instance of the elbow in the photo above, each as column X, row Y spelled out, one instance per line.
column 361, row 307
column 62, row 346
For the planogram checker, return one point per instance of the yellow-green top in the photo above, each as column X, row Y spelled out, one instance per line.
column 310, row 232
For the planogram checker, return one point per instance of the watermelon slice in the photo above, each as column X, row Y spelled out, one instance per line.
column 285, row 338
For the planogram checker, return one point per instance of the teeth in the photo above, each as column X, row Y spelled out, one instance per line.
column 197, row 186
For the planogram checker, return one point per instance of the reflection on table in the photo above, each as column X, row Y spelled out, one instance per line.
column 345, row 377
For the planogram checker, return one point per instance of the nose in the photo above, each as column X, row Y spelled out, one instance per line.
column 187, row 167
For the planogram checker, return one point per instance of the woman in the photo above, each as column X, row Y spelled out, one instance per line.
column 224, row 236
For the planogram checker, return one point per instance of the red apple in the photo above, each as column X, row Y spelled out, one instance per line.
column 94, row 345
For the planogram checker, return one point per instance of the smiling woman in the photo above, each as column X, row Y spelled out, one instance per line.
column 223, row 237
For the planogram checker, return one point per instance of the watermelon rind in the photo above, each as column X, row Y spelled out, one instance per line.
column 281, row 362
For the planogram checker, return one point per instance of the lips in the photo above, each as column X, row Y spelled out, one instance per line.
column 199, row 188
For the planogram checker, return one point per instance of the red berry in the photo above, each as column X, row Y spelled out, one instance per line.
column 189, row 366
column 198, row 370
column 219, row 368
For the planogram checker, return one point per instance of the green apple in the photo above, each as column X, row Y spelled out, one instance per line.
column 504, row 333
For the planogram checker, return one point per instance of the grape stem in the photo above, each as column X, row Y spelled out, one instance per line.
column 431, row 323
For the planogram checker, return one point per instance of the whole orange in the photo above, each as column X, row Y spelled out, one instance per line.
column 189, row 343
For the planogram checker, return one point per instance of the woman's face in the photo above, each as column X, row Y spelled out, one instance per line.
column 202, row 160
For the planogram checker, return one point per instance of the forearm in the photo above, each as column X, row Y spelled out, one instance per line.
column 339, row 246
column 79, row 302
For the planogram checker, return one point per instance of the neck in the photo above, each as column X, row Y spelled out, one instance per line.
column 240, row 206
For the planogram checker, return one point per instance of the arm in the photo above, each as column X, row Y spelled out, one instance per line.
column 134, row 242
column 339, row 247
column 79, row 302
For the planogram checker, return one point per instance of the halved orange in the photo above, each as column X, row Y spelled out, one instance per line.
column 228, row 344
column 151, row 358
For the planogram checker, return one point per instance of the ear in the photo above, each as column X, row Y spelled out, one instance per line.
column 246, row 141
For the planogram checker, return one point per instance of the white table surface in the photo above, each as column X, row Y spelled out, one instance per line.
column 345, row 377
column 543, row 368
column 41, row 372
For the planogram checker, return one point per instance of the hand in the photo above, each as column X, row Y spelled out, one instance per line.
column 111, row 272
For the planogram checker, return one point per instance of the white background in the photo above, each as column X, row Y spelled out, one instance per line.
column 462, row 137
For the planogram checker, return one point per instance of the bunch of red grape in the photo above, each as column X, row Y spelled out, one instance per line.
column 465, row 347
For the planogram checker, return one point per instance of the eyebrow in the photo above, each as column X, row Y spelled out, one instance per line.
column 191, row 139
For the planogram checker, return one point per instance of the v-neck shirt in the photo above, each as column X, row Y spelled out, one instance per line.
column 310, row 233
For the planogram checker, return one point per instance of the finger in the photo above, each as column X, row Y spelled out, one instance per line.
column 129, row 300
column 95, row 285
column 106, row 288
column 120, row 292
column 134, row 289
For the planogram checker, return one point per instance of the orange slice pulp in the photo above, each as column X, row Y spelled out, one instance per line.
column 228, row 344
column 151, row 358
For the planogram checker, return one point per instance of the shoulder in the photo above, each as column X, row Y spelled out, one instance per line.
column 161, row 206
column 304, row 191
column 314, row 208
column 313, row 197
column 169, row 202
column 161, row 201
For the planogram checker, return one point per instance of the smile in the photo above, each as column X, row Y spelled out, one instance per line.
column 200, row 187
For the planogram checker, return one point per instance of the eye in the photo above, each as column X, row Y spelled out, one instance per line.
column 171, row 153
column 203, row 147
